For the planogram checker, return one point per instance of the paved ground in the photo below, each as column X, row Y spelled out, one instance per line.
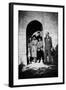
column 38, row 70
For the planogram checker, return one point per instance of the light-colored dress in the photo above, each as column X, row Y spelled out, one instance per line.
column 34, row 48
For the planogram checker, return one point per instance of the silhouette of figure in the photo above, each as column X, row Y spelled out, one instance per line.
column 48, row 47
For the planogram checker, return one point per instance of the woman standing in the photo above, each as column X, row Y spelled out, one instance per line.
column 34, row 48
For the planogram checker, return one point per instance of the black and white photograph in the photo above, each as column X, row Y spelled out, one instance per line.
column 36, row 39
column 39, row 57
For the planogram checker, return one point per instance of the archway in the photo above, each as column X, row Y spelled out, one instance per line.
column 32, row 27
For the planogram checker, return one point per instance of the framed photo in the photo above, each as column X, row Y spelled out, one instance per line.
column 36, row 44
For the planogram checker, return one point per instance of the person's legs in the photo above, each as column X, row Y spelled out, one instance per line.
column 45, row 60
column 38, row 55
column 42, row 56
column 35, row 59
column 49, row 55
column 31, row 59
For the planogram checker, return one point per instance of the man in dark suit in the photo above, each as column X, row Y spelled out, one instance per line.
column 48, row 47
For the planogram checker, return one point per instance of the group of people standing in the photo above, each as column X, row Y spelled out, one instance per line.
column 37, row 51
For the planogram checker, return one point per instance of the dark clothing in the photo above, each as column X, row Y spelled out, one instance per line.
column 48, row 46
column 47, row 54
column 40, row 55
column 48, row 43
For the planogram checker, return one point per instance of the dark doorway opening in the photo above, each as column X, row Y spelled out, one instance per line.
column 32, row 27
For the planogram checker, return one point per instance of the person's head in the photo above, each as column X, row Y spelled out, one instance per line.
column 47, row 34
column 34, row 38
column 39, row 39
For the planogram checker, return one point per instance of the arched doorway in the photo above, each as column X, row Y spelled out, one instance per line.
column 33, row 27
